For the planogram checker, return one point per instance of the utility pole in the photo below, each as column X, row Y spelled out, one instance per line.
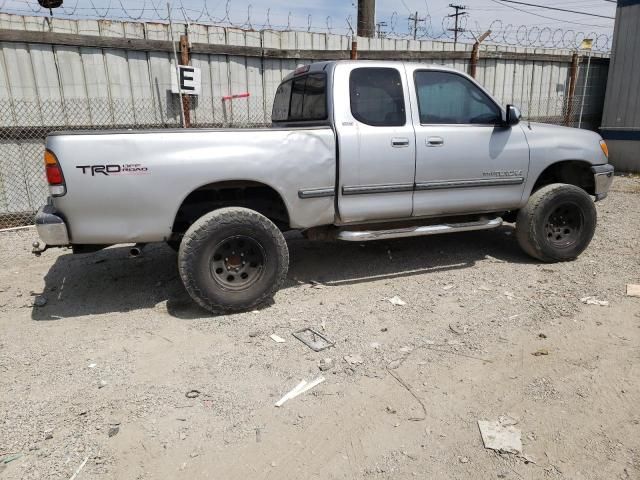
column 184, row 60
column 415, row 19
column 475, row 53
column 459, row 12
column 379, row 32
column 573, row 78
column 587, row 44
column 366, row 18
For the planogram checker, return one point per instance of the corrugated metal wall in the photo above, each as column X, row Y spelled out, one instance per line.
column 61, row 85
column 621, row 116
column 37, row 72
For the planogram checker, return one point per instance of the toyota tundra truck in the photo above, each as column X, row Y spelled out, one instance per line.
column 357, row 151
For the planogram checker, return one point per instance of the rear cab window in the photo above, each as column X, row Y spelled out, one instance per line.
column 301, row 99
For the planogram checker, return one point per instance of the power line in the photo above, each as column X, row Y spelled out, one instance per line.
column 557, row 9
column 405, row 6
column 549, row 18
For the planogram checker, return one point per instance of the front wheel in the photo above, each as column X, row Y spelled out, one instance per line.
column 557, row 223
column 232, row 259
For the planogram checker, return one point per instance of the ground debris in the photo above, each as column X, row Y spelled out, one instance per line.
column 594, row 301
column 540, row 352
column 313, row 339
column 459, row 329
column 192, row 393
column 40, row 301
column 325, row 364
column 10, row 458
column 299, row 389
column 277, row 338
column 354, row 359
column 397, row 301
column 633, row 290
column 503, row 438
column 75, row 474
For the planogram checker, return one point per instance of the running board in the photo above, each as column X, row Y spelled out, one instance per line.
column 417, row 231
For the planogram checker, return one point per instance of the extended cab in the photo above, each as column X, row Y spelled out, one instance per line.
column 357, row 151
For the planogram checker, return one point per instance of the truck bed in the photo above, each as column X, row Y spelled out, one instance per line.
column 127, row 186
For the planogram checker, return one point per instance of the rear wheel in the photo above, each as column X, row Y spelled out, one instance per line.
column 557, row 224
column 233, row 259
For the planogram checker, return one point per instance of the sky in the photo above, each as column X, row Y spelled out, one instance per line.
column 539, row 25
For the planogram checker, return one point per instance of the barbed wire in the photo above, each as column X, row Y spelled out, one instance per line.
column 429, row 28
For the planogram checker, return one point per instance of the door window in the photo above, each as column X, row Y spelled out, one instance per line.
column 448, row 98
column 376, row 96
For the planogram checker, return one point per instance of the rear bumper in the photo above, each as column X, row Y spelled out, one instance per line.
column 51, row 228
column 602, row 178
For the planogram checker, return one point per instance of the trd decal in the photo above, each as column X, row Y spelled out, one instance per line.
column 114, row 169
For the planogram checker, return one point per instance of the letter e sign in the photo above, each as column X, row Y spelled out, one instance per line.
column 190, row 80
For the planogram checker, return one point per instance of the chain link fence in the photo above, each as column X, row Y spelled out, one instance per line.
column 25, row 124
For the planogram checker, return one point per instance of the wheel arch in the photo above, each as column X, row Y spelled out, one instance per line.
column 253, row 194
column 572, row 172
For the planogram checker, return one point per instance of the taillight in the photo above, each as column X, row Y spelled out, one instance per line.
column 55, row 178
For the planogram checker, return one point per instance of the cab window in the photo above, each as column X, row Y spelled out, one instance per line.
column 448, row 98
column 376, row 97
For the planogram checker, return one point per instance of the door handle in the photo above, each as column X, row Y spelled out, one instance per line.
column 399, row 142
column 434, row 141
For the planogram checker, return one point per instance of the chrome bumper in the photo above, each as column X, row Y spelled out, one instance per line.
column 602, row 178
column 51, row 228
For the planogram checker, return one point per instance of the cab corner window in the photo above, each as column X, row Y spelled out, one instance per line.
column 376, row 97
column 449, row 98
column 280, row 111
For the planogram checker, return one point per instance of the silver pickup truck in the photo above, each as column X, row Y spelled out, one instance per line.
column 357, row 151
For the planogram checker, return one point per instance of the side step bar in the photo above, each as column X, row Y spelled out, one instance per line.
column 417, row 231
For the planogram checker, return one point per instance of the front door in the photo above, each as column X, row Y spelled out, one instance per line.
column 376, row 142
column 467, row 161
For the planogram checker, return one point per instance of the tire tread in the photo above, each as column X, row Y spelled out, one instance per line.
column 526, row 225
column 198, row 235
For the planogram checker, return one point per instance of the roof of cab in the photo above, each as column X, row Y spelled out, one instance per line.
column 330, row 65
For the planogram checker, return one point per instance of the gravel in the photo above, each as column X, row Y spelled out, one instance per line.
column 98, row 351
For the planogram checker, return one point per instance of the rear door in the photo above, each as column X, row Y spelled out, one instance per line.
column 376, row 141
column 467, row 161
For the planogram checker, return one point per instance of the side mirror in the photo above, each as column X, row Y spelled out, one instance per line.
column 513, row 115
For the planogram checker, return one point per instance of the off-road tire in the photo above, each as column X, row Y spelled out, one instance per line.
column 202, row 243
column 544, row 222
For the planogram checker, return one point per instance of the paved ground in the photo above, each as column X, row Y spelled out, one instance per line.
column 100, row 372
